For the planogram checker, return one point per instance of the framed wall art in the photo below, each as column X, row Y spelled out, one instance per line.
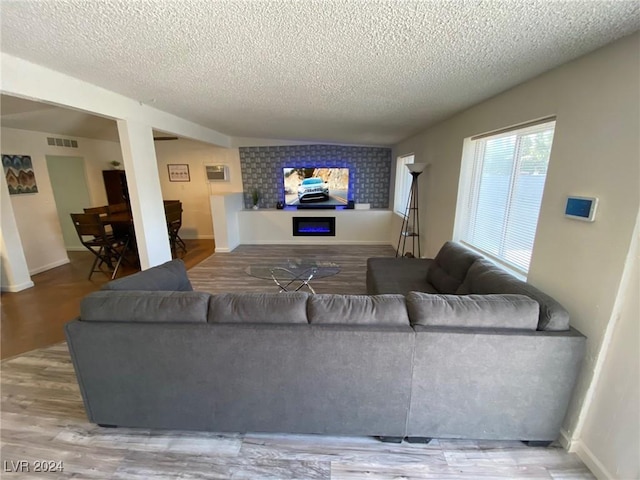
column 18, row 170
column 178, row 172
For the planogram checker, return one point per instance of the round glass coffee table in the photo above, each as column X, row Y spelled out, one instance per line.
column 292, row 275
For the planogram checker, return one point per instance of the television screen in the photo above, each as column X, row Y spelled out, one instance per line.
column 316, row 186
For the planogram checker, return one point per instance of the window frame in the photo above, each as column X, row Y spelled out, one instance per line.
column 402, row 183
column 470, row 178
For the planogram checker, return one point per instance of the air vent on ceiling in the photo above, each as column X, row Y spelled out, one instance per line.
column 62, row 142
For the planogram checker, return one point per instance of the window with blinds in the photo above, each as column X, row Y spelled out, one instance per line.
column 504, row 193
column 403, row 183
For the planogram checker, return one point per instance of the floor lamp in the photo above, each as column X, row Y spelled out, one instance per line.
column 411, row 221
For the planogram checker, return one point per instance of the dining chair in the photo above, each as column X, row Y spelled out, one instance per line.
column 103, row 211
column 173, row 214
column 107, row 249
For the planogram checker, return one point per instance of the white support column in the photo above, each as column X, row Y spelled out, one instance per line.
column 224, row 211
column 15, row 272
column 145, row 194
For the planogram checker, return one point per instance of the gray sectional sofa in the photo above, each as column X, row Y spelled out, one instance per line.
column 150, row 352
column 457, row 270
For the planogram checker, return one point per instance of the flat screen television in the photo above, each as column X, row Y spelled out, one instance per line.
column 316, row 186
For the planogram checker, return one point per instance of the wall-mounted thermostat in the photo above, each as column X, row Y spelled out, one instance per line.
column 581, row 208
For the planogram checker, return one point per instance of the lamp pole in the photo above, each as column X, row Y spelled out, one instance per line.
column 411, row 220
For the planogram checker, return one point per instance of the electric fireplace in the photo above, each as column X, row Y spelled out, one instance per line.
column 314, row 226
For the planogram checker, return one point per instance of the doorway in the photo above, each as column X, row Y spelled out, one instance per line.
column 71, row 194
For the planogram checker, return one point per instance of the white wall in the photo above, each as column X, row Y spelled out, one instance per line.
column 196, row 216
column 13, row 266
column 101, row 153
column 610, row 441
column 595, row 153
column 224, row 209
column 36, row 214
column 145, row 194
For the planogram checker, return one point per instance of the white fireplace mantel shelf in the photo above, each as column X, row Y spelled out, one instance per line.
column 272, row 226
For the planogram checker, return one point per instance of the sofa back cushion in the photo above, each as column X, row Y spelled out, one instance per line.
column 288, row 307
column 388, row 275
column 358, row 309
column 450, row 267
column 142, row 306
column 479, row 311
column 484, row 278
column 170, row 276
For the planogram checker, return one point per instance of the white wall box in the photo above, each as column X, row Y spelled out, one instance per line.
column 217, row 173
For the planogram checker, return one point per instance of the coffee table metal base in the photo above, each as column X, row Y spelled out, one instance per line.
column 301, row 280
column 293, row 275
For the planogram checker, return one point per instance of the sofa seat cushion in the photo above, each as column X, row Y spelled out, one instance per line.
column 480, row 311
column 286, row 307
column 485, row 278
column 357, row 309
column 142, row 306
column 450, row 267
column 398, row 275
column 169, row 276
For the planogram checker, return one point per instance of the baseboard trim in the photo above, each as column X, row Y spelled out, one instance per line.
column 44, row 268
column 590, row 460
column 228, row 249
column 196, row 237
column 17, row 287
column 315, row 241
column 565, row 440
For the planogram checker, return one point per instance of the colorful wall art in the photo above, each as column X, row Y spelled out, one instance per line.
column 18, row 170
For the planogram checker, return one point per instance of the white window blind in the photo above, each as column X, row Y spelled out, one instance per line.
column 403, row 183
column 507, row 181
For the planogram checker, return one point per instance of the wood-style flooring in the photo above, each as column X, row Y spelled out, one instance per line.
column 34, row 317
column 225, row 272
column 43, row 419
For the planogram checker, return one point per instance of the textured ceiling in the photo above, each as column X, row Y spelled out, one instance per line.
column 345, row 71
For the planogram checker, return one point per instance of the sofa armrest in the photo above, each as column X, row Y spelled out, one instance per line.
column 169, row 276
column 492, row 383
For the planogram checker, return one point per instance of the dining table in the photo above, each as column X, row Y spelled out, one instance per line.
column 122, row 226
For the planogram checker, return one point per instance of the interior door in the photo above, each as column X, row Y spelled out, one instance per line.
column 69, row 184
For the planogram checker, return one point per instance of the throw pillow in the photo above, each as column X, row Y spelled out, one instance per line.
column 450, row 267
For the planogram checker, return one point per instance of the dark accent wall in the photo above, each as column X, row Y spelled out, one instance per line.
column 369, row 170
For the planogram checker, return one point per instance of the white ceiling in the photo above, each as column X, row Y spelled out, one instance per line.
column 331, row 71
column 41, row 117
